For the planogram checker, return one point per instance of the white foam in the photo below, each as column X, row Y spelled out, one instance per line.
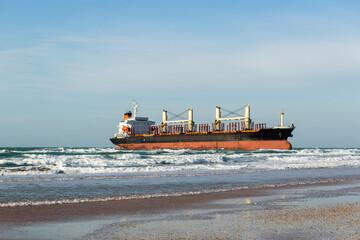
column 96, row 160
column 90, row 150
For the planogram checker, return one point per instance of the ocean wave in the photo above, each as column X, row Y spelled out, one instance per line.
column 33, row 161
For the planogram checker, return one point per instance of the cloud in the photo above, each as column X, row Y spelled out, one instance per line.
column 107, row 65
column 305, row 61
column 285, row 64
column 84, row 40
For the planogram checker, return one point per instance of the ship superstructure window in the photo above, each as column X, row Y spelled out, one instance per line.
column 141, row 125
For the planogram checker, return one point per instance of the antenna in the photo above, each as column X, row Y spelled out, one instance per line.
column 135, row 106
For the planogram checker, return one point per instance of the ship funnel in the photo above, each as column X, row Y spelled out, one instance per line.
column 127, row 115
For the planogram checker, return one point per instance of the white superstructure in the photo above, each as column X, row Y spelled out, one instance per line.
column 133, row 125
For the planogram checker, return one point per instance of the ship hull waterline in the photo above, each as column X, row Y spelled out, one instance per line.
column 245, row 140
column 228, row 145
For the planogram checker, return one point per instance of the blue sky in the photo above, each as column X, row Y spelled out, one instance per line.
column 69, row 69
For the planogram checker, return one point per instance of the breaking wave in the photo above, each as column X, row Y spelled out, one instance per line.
column 44, row 161
column 46, row 176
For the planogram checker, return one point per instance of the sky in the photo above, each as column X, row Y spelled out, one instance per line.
column 70, row 69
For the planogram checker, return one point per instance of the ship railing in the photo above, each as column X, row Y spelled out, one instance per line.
column 236, row 127
column 230, row 127
column 222, row 127
column 233, row 127
column 175, row 129
column 243, row 126
column 186, row 128
column 155, row 130
column 204, row 127
column 172, row 129
column 260, row 126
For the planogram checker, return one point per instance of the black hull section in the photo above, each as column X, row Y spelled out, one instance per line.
column 271, row 134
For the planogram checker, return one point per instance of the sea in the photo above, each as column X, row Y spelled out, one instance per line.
column 58, row 175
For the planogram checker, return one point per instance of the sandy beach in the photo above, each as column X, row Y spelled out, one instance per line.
column 312, row 211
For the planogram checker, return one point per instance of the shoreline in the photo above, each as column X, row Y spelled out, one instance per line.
column 83, row 210
column 322, row 210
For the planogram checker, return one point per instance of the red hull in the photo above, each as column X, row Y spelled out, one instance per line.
column 229, row 145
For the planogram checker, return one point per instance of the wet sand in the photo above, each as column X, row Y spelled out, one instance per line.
column 320, row 211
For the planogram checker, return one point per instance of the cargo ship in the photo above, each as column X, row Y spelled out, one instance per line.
column 239, row 133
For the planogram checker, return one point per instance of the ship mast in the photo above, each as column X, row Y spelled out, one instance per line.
column 135, row 106
column 282, row 118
